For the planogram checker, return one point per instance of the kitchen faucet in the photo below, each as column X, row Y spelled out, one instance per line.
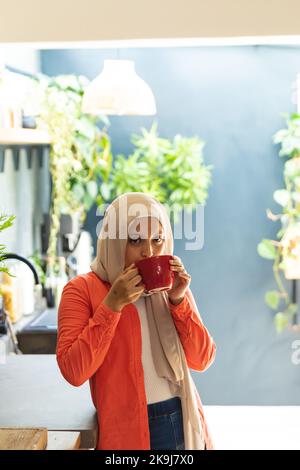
column 21, row 258
column 37, row 285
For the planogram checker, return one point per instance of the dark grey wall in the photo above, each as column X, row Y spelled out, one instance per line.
column 231, row 97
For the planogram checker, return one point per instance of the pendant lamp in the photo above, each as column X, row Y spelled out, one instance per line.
column 118, row 90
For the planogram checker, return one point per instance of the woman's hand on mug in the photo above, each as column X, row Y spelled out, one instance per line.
column 181, row 282
column 126, row 288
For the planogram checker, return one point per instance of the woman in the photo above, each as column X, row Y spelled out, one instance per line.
column 136, row 349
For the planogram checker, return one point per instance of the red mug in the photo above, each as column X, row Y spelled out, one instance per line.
column 156, row 273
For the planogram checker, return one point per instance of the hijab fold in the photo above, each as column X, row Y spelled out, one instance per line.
column 168, row 354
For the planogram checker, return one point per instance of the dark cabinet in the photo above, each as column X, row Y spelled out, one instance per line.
column 39, row 336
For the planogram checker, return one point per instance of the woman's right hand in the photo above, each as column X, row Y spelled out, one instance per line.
column 126, row 288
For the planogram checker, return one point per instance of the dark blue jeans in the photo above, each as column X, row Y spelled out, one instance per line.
column 166, row 425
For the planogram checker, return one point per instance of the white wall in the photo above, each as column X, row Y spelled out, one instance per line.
column 26, row 59
column 24, row 192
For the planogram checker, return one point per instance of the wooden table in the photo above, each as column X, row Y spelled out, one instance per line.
column 35, row 395
column 38, row 439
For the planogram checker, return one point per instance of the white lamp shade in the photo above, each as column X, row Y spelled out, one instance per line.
column 118, row 90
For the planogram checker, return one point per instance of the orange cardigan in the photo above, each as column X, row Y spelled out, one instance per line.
column 96, row 344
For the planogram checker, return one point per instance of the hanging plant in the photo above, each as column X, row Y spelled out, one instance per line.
column 6, row 221
column 173, row 171
column 285, row 251
column 80, row 154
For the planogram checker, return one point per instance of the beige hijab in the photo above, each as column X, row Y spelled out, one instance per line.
column 168, row 354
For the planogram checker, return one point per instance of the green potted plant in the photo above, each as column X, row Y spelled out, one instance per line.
column 80, row 154
column 285, row 251
column 172, row 170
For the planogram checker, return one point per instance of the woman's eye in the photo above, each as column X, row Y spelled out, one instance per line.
column 158, row 239
column 134, row 240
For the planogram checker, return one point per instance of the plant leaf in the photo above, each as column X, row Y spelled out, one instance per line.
column 266, row 249
column 272, row 299
column 92, row 188
column 105, row 189
column 292, row 309
column 281, row 321
column 282, row 197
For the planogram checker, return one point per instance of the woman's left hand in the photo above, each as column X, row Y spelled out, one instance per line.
column 181, row 281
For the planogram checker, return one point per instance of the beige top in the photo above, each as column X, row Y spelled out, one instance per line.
column 157, row 388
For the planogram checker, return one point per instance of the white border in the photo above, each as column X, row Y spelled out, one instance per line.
column 152, row 43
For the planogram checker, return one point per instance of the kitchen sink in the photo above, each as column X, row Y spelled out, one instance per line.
column 39, row 336
column 47, row 320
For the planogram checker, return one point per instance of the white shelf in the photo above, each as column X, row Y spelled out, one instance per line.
column 23, row 136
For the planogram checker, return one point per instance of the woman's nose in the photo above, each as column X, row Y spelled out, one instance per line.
column 147, row 251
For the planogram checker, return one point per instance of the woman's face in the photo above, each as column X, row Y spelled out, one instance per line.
column 145, row 238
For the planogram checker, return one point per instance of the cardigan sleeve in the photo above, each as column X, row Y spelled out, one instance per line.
column 83, row 338
column 198, row 344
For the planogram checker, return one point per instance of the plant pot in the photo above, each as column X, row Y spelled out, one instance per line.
column 291, row 252
column 292, row 268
